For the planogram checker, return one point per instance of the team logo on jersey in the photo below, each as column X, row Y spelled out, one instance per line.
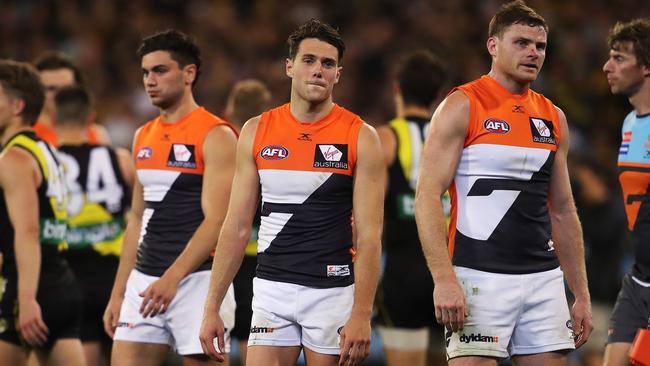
column 468, row 338
column 542, row 130
column 334, row 270
column 182, row 156
column 144, row 153
column 331, row 156
column 496, row 126
column 518, row 109
column 274, row 152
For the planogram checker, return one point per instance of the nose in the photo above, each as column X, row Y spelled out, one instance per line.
column 318, row 69
column 149, row 79
column 606, row 66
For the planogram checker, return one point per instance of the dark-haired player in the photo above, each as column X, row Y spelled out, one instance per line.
column 185, row 161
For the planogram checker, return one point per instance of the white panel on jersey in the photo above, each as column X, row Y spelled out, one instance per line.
column 146, row 216
column 416, row 152
column 269, row 228
column 290, row 186
column 156, row 183
column 478, row 216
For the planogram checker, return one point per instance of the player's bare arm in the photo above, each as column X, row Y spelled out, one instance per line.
column 567, row 236
column 388, row 147
column 20, row 177
column 219, row 159
column 368, row 208
column 232, row 239
column 129, row 252
column 440, row 157
column 127, row 168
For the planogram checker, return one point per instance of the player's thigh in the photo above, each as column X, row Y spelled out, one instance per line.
column 138, row 354
column 12, row 354
column 396, row 357
column 617, row 354
column 272, row 355
column 203, row 360
column 404, row 346
column 541, row 359
column 94, row 353
column 313, row 358
column 65, row 352
column 473, row 361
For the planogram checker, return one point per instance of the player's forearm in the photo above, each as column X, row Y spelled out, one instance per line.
column 28, row 263
column 128, row 255
column 197, row 251
column 430, row 218
column 366, row 274
column 569, row 247
column 227, row 260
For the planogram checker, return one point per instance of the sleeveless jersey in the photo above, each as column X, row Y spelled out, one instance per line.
column 634, row 176
column 499, row 215
column 306, row 174
column 169, row 164
column 97, row 199
column 51, row 208
column 401, row 241
column 48, row 134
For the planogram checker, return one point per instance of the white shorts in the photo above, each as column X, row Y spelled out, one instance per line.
column 512, row 314
column 180, row 325
column 286, row 314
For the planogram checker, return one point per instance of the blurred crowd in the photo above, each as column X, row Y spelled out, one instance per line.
column 247, row 39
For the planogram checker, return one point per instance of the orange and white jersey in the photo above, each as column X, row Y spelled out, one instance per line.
column 169, row 164
column 306, row 175
column 499, row 216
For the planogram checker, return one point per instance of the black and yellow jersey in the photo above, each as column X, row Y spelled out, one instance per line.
column 52, row 196
column 97, row 199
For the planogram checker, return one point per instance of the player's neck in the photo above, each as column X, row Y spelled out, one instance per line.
column 508, row 83
column 178, row 110
column 414, row 111
column 305, row 111
column 12, row 129
column 72, row 135
column 45, row 119
column 641, row 99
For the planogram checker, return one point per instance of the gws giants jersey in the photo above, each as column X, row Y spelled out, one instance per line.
column 169, row 164
column 306, row 174
column 634, row 176
column 499, row 216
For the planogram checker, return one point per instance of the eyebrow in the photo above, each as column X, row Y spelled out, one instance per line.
column 528, row 40
column 324, row 58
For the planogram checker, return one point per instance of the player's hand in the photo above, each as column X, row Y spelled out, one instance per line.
column 212, row 329
column 355, row 341
column 450, row 304
column 30, row 321
column 112, row 314
column 158, row 296
column 582, row 321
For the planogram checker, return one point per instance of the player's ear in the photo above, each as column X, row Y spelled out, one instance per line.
column 491, row 45
column 189, row 73
column 338, row 74
column 288, row 67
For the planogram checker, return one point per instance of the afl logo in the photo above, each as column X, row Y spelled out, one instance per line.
column 274, row 152
column 496, row 126
column 145, row 153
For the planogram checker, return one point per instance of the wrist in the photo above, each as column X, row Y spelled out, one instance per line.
column 361, row 313
column 173, row 275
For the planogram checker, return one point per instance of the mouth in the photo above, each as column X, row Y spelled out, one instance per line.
column 152, row 93
column 315, row 83
column 530, row 66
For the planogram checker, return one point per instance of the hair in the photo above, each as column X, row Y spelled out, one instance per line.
column 21, row 80
column 636, row 32
column 54, row 60
column 72, row 106
column 420, row 75
column 181, row 47
column 515, row 12
column 314, row 28
column 248, row 98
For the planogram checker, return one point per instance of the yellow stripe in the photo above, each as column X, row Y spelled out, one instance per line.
column 404, row 151
column 32, row 146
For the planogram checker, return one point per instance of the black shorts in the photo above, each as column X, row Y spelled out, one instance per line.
column 405, row 302
column 60, row 307
column 95, row 275
column 243, row 284
column 631, row 311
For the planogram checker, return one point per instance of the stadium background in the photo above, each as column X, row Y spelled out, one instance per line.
column 244, row 39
